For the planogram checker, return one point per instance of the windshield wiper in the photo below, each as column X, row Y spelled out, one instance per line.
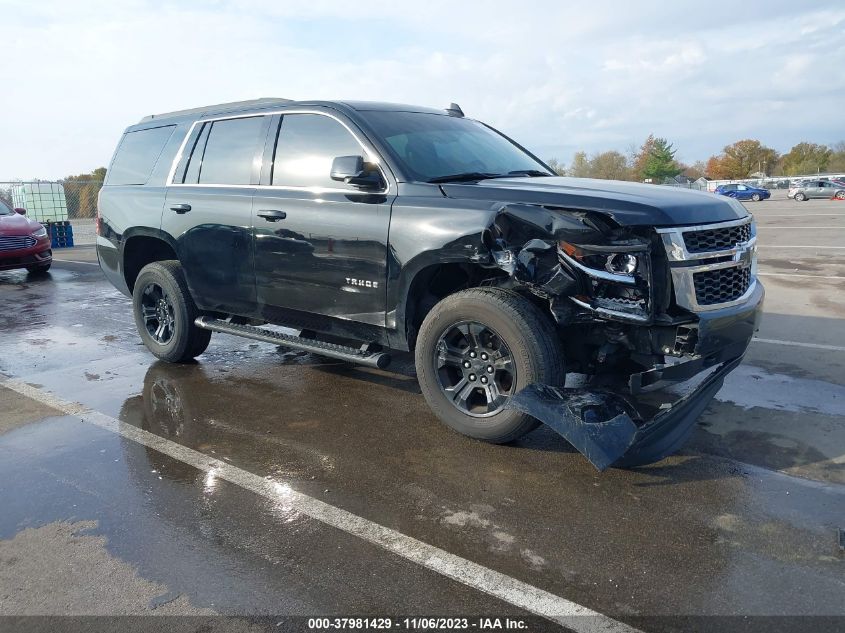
column 468, row 176
column 528, row 172
column 465, row 177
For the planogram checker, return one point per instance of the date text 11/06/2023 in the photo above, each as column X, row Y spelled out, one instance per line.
column 418, row 623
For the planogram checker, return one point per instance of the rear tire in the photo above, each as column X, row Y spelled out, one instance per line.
column 800, row 197
column 165, row 312
column 506, row 323
column 840, row 195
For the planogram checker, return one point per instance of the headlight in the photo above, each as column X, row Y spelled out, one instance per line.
column 616, row 278
column 614, row 265
column 39, row 232
column 621, row 263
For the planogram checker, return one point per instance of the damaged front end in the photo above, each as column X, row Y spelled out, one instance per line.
column 651, row 319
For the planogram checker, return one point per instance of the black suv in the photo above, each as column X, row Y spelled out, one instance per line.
column 369, row 227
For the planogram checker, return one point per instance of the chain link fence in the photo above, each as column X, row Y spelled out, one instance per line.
column 57, row 201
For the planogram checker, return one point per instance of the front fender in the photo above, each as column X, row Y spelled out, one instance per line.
column 474, row 233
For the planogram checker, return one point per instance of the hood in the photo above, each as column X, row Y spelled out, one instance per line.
column 628, row 203
column 16, row 224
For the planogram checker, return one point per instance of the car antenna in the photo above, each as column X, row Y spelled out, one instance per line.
column 455, row 110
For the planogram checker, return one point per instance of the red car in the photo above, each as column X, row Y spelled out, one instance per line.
column 24, row 243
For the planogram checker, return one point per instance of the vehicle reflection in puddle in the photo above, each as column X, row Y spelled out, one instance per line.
column 384, row 457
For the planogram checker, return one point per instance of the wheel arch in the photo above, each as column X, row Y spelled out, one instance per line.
column 431, row 282
column 142, row 248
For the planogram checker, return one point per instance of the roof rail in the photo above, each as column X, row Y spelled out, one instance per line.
column 220, row 107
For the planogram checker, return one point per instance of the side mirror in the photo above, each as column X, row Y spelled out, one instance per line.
column 19, row 210
column 354, row 171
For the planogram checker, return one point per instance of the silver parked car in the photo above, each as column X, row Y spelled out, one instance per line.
column 817, row 189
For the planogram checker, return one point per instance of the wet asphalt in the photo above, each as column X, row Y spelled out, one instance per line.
column 744, row 521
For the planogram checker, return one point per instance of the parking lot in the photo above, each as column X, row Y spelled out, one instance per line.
column 262, row 481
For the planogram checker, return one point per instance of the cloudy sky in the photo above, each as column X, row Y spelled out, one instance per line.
column 557, row 76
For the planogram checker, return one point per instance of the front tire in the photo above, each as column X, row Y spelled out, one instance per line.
column 800, row 197
column 41, row 269
column 756, row 197
column 165, row 312
column 478, row 347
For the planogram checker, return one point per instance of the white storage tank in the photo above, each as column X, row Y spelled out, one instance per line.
column 43, row 201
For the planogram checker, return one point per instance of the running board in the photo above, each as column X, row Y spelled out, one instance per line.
column 362, row 356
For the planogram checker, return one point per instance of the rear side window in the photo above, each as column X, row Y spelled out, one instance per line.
column 226, row 151
column 306, row 146
column 137, row 155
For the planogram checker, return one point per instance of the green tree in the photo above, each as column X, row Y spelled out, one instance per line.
column 656, row 160
column 837, row 158
column 806, row 158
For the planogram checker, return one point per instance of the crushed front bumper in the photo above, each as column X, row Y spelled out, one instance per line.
column 610, row 428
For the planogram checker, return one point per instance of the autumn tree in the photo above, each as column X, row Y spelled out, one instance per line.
column 716, row 168
column 610, row 165
column 694, row 171
column 713, row 169
column 741, row 159
column 640, row 156
column 557, row 167
column 580, row 167
column 81, row 193
column 806, row 158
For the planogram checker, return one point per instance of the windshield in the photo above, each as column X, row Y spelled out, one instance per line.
column 434, row 146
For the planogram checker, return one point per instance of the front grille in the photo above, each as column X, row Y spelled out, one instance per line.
column 719, row 239
column 16, row 242
column 722, row 285
column 694, row 254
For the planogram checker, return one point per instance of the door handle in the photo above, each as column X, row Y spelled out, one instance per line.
column 272, row 215
column 181, row 208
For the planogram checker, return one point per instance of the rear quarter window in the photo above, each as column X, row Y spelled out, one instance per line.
column 137, row 155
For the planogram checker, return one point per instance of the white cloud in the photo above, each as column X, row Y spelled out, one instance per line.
column 557, row 77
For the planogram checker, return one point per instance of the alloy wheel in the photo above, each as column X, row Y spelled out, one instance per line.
column 475, row 368
column 157, row 313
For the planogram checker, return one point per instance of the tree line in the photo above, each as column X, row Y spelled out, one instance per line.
column 81, row 193
column 654, row 161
